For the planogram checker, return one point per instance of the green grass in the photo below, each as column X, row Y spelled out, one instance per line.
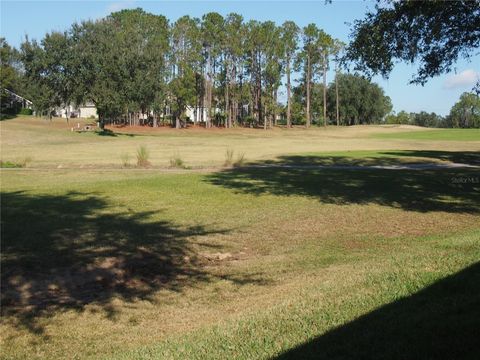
column 378, row 157
column 435, row 135
column 237, row 262
column 119, row 264
column 10, row 164
column 60, row 147
column 343, row 322
column 15, row 164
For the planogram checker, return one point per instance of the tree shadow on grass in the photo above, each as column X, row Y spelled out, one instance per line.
column 450, row 190
column 439, row 322
column 67, row 251
column 106, row 132
column 111, row 133
column 463, row 157
column 4, row 117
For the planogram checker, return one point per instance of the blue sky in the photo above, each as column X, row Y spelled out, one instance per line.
column 35, row 18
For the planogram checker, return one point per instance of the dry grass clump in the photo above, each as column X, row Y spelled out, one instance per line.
column 229, row 158
column 125, row 160
column 143, row 156
column 176, row 161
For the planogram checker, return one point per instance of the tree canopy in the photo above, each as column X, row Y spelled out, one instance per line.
column 138, row 68
column 362, row 101
column 433, row 33
column 466, row 112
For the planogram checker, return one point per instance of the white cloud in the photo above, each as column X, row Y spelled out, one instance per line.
column 120, row 5
column 466, row 78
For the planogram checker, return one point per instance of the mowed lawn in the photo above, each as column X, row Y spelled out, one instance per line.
column 47, row 144
column 265, row 262
column 435, row 135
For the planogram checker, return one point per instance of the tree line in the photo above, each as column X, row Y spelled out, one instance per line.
column 139, row 68
column 465, row 113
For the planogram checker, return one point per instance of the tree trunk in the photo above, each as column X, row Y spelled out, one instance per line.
column 233, row 117
column 208, row 93
column 289, row 120
column 308, row 93
column 336, row 96
column 259, row 93
column 324, row 89
column 178, row 125
column 275, row 107
column 227, row 100
column 66, row 114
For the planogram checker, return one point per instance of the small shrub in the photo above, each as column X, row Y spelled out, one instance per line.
column 240, row 160
column 25, row 111
column 125, row 160
column 176, row 161
column 229, row 157
column 142, row 156
column 5, row 116
column 19, row 164
column 250, row 121
column 9, row 164
column 24, row 162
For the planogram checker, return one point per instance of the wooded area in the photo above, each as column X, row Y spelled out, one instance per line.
column 139, row 69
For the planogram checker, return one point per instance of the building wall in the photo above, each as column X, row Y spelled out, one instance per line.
column 82, row 111
column 190, row 112
column 87, row 111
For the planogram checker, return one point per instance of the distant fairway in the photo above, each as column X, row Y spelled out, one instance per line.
column 289, row 259
column 52, row 144
column 435, row 135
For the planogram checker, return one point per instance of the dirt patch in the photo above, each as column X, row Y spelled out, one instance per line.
column 80, row 284
column 226, row 256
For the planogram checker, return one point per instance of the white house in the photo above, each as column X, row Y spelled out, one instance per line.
column 15, row 100
column 86, row 110
column 195, row 113
column 89, row 110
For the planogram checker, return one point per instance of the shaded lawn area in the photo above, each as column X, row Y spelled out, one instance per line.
column 450, row 190
column 439, row 322
column 66, row 250
column 63, row 252
column 380, row 158
column 417, row 305
column 462, row 157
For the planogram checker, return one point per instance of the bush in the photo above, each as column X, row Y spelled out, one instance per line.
column 25, row 111
column 229, row 157
column 300, row 120
column 9, row 164
column 240, row 160
column 20, row 164
column 125, row 160
column 142, row 156
column 219, row 119
column 24, row 162
column 250, row 121
column 176, row 161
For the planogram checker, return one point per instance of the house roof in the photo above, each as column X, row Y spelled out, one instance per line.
column 18, row 97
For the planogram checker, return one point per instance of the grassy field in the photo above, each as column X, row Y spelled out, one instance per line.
column 23, row 137
column 249, row 262
column 435, row 135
